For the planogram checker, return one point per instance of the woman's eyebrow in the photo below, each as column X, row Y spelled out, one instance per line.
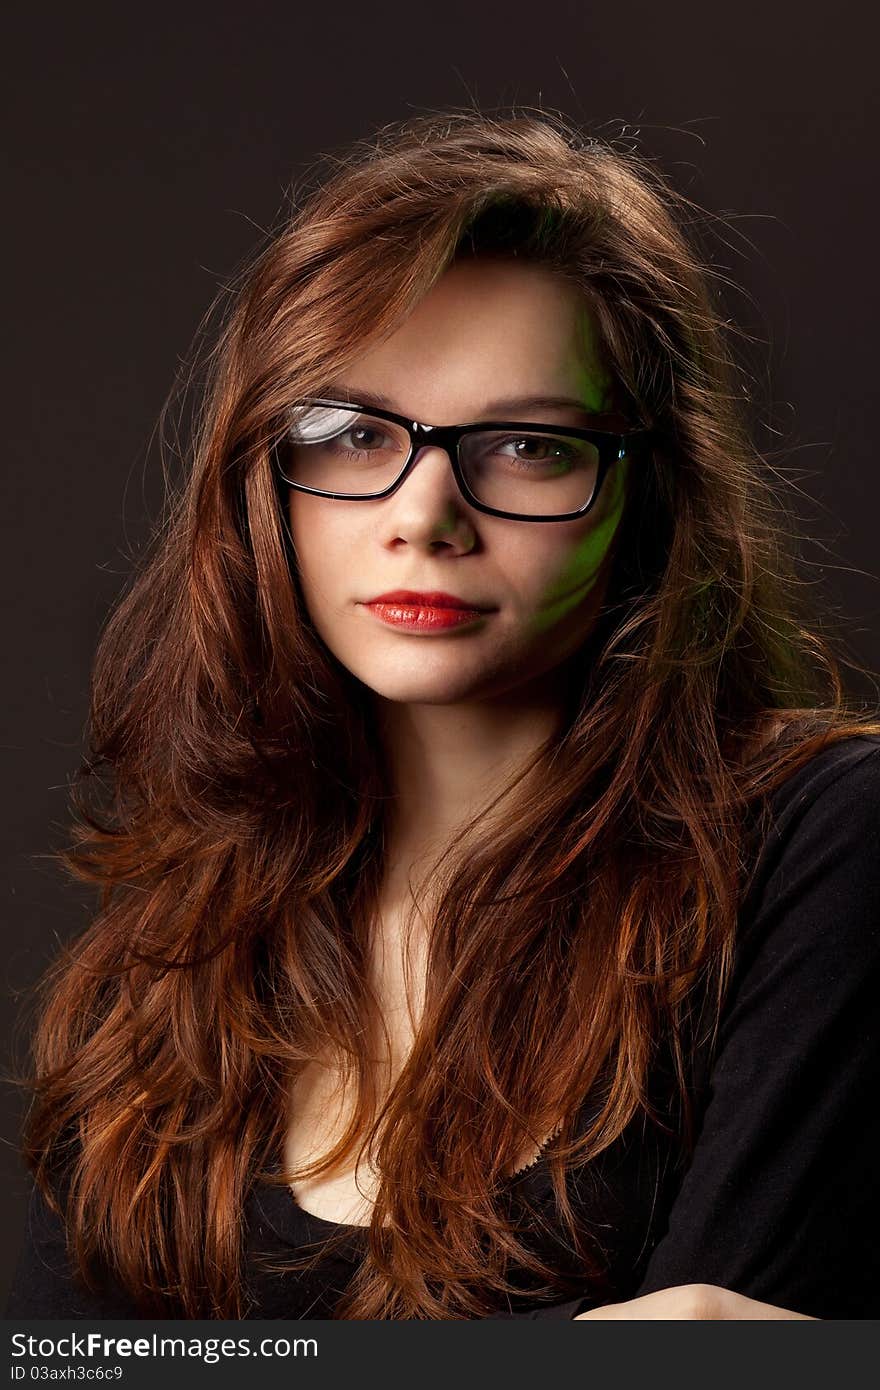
column 503, row 406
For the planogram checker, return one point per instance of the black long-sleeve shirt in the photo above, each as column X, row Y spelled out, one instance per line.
column 780, row 1199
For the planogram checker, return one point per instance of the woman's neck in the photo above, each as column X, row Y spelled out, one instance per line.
column 447, row 762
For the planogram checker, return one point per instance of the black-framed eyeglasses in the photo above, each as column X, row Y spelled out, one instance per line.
column 508, row 468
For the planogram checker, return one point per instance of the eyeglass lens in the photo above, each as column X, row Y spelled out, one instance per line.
column 534, row 474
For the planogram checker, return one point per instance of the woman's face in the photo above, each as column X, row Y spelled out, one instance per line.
column 487, row 335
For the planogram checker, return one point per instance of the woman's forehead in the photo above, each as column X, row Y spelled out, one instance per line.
column 482, row 335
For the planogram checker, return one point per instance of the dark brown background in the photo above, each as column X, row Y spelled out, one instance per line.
column 148, row 147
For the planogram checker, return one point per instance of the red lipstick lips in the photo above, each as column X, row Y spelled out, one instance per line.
column 424, row 612
column 434, row 598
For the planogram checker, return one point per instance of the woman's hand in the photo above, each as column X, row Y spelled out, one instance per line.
column 695, row 1303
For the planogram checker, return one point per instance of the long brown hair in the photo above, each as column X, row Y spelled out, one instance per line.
column 232, row 805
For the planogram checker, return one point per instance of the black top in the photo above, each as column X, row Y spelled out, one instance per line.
column 780, row 1200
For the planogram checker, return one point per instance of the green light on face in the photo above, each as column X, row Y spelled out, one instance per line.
column 584, row 565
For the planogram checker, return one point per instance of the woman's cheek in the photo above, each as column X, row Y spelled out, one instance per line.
column 584, row 565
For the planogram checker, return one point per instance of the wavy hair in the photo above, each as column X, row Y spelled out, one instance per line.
column 232, row 804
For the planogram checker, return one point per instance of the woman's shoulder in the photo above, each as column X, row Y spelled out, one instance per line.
column 834, row 773
column 837, row 787
column 815, row 882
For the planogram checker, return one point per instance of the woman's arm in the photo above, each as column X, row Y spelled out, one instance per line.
column 780, row 1207
column 778, row 1214
column 692, row 1303
column 44, row 1286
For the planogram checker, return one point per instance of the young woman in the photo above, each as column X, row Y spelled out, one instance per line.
column 489, row 905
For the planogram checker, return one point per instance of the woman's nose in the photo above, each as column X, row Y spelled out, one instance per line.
column 429, row 472
column 428, row 505
column 422, row 449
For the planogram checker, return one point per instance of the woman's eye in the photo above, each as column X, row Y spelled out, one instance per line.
column 533, row 449
column 540, row 448
column 363, row 436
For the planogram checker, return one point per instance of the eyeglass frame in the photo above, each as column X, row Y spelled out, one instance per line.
column 612, row 446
